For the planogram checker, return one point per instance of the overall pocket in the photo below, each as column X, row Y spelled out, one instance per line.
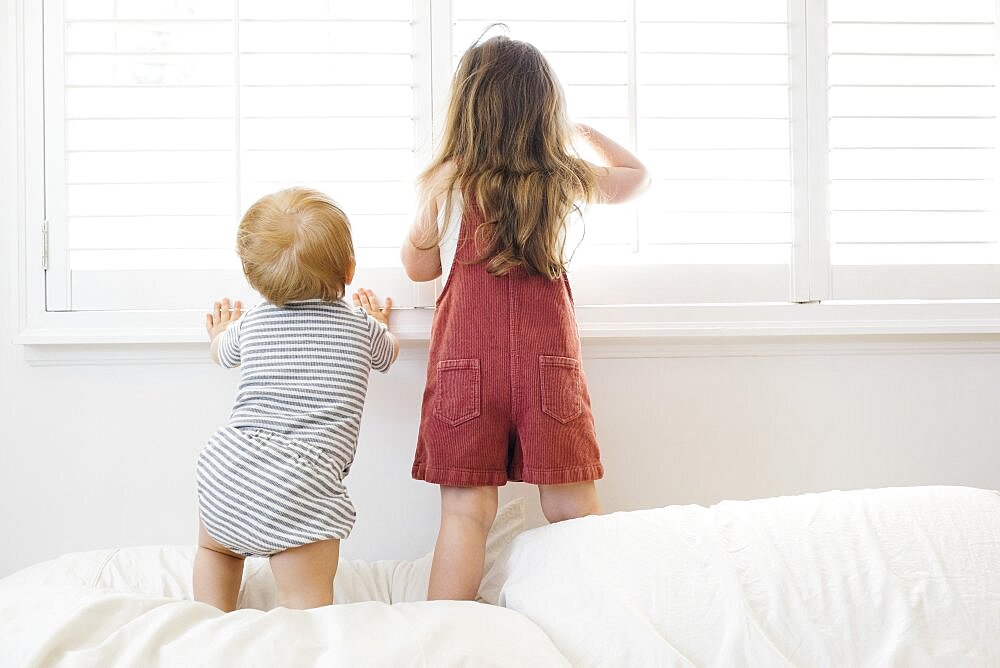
column 562, row 387
column 458, row 395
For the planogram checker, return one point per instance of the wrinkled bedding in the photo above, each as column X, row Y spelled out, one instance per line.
column 58, row 625
column 903, row 577
column 900, row 577
column 132, row 607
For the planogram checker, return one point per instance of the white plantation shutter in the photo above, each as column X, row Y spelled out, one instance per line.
column 913, row 149
column 802, row 150
column 700, row 90
column 167, row 118
column 713, row 126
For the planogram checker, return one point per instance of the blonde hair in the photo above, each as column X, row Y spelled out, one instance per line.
column 508, row 139
column 296, row 244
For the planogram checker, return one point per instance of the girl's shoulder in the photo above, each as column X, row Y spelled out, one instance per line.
column 438, row 194
column 442, row 172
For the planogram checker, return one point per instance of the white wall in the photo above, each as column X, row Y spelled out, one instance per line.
column 102, row 455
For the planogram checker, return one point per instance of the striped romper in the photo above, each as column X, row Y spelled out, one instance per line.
column 272, row 478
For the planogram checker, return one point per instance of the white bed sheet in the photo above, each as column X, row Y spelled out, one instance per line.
column 75, row 626
column 132, row 607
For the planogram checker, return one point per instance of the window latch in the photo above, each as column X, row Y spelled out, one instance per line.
column 45, row 245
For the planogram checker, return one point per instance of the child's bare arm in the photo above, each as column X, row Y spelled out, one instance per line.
column 623, row 176
column 420, row 253
column 218, row 321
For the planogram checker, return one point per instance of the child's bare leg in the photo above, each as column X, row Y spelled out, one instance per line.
column 567, row 502
column 217, row 573
column 305, row 574
column 467, row 514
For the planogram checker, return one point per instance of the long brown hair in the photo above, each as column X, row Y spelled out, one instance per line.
column 507, row 143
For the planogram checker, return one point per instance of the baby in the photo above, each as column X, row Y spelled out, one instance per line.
column 271, row 481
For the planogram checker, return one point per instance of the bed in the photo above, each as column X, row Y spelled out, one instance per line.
column 907, row 576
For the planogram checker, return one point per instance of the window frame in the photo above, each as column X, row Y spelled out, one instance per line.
column 808, row 310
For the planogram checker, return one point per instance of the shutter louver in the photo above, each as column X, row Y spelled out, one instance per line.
column 913, row 149
column 179, row 114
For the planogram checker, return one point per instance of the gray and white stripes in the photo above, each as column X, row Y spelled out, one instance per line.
column 260, row 493
column 272, row 478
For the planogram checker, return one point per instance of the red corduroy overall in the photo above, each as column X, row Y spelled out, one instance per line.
column 506, row 398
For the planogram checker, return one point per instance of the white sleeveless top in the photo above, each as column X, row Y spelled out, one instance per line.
column 448, row 244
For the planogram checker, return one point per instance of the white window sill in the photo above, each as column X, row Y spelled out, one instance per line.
column 595, row 322
column 606, row 331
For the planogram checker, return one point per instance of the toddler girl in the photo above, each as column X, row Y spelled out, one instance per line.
column 505, row 397
column 271, row 481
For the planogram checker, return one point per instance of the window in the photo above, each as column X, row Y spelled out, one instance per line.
column 802, row 150
column 166, row 120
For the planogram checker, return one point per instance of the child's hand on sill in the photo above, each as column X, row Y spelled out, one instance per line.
column 369, row 302
column 221, row 317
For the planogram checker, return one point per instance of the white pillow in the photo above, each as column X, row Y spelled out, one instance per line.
column 900, row 577
column 165, row 570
